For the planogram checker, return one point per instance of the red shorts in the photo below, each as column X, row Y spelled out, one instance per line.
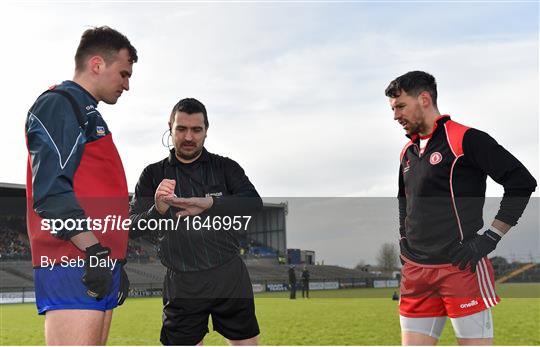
column 445, row 290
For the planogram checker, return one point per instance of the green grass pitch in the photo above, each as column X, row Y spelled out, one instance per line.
column 340, row 317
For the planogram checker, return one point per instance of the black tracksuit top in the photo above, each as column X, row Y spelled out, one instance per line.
column 442, row 192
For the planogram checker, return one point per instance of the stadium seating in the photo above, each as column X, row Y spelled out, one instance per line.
column 317, row 272
column 14, row 243
column 20, row 273
column 9, row 280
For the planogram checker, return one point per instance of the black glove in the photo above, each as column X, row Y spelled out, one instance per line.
column 124, row 286
column 472, row 251
column 97, row 278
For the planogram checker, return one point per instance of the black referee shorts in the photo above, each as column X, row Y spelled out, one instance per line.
column 225, row 293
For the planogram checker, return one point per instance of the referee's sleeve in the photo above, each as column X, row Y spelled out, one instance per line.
column 141, row 206
column 243, row 198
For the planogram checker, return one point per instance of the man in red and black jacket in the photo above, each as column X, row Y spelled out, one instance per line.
column 442, row 184
column 75, row 175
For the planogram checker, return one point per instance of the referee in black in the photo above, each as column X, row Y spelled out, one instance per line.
column 213, row 198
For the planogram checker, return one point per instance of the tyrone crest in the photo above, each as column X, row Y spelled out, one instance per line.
column 435, row 158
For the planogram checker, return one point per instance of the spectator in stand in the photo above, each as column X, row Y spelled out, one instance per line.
column 11, row 246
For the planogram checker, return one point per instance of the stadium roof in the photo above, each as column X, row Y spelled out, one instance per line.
column 12, row 199
column 12, row 185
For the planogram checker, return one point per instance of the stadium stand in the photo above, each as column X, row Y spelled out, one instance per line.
column 317, row 272
column 143, row 274
column 149, row 247
column 13, row 239
column 532, row 274
column 137, row 252
column 22, row 269
column 154, row 272
column 9, row 279
column 516, row 272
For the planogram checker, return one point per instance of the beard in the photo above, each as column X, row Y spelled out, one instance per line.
column 413, row 129
column 416, row 125
column 188, row 155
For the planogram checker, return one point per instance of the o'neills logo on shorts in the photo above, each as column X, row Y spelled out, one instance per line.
column 469, row 304
column 435, row 158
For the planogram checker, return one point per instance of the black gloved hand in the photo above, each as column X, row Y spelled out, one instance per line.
column 472, row 251
column 97, row 278
column 124, row 286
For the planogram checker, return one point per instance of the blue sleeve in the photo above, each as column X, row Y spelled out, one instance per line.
column 55, row 144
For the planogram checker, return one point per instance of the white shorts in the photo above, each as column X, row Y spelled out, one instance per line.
column 475, row 326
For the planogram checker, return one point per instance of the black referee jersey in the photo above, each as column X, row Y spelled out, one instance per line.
column 196, row 247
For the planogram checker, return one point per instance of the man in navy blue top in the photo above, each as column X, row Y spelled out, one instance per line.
column 75, row 173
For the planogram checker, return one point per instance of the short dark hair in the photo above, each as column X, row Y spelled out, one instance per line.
column 189, row 106
column 413, row 83
column 103, row 41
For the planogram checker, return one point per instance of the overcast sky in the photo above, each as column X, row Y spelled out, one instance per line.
column 294, row 91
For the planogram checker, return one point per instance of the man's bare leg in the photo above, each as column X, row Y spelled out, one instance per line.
column 475, row 342
column 73, row 327
column 417, row 339
column 409, row 338
column 254, row 341
column 106, row 327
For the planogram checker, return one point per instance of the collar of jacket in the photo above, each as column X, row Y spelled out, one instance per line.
column 77, row 85
column 438, row 125
column 173, row 160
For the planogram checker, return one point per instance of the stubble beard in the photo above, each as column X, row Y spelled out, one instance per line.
column 419, row 126
column 188, row 156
